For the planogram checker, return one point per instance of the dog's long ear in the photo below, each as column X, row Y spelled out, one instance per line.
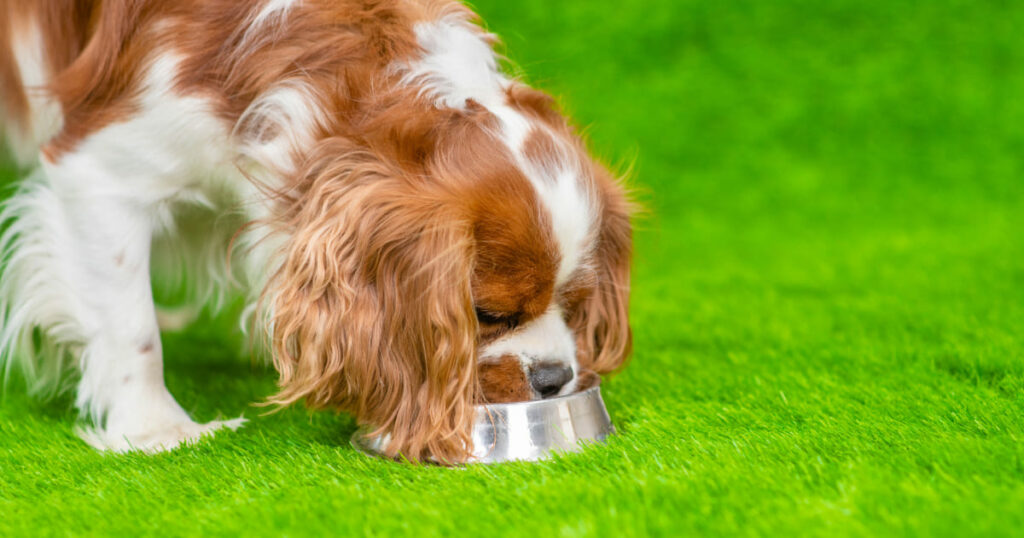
column 603, row 336
column 371, row 310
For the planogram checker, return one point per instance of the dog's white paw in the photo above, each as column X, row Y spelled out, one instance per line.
column 154, row 440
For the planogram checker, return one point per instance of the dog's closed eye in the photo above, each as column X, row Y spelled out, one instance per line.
column 498, row 319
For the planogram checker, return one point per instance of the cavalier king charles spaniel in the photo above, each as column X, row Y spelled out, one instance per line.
column 416, row 231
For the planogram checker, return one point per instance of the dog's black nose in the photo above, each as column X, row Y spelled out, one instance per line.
column 549, row 378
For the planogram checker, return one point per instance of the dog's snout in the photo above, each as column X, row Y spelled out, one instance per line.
column 549, row 378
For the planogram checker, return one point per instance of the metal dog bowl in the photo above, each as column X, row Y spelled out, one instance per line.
column 528, row 431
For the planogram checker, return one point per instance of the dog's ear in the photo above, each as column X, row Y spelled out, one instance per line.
column 371, row 310
column 603, row 336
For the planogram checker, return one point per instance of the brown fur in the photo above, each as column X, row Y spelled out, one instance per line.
column 587, row 379
column 503, row 381
column 372, row 311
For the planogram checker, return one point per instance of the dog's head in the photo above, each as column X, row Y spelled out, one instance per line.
column 444, row 254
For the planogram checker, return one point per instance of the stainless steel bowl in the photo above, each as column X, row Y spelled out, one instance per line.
column 528, row 431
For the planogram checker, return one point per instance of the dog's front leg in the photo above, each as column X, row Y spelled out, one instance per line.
column 106, row 265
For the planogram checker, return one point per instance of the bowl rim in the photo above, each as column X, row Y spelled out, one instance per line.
column 547, row 401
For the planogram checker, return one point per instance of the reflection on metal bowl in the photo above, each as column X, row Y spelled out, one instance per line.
column 529, row 431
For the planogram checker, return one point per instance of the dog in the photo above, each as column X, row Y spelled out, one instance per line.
column 417, row 231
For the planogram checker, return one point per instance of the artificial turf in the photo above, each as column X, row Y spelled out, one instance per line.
column 828, row 304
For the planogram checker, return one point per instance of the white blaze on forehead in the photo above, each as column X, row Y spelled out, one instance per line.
column 459, row 64
column 572, row 218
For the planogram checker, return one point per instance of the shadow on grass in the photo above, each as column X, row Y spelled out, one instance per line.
column 221, row 384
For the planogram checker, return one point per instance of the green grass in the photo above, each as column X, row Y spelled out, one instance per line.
column 828, row 304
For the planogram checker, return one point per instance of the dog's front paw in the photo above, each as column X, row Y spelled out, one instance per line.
column 151, row 441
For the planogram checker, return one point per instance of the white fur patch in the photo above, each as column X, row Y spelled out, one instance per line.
column 573, row 217
column 279, row 125
column 141, row 158
column 458, row 65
